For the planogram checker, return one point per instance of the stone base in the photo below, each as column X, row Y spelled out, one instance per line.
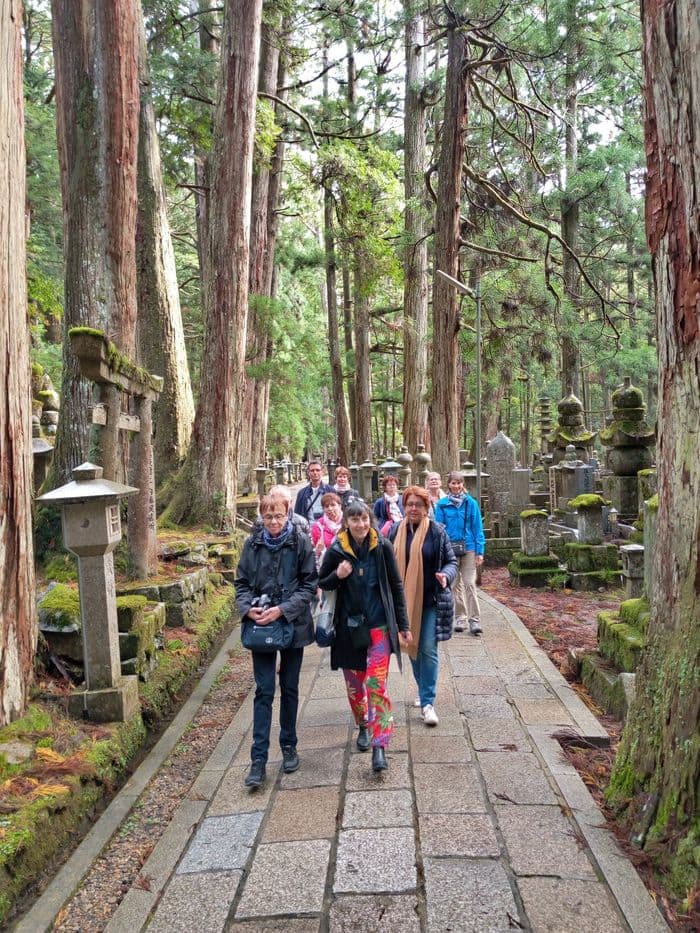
column 584, row 558
column 111, row 704
column 534, row 571
column 611, row 689
column 500, row 550
column 619, row 642
column 593, row 581
column 623, row 492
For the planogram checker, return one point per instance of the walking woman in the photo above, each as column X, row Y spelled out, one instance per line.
column 387, row 509
column 342, row 486
column 428, row 568
column 460, row 515
column 370, row 621
column 329, row 524
column 433, row 485
column 276, row 578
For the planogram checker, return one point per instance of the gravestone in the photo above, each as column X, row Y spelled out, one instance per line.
column 571, row 429
column 629, row 441
column 500, row 463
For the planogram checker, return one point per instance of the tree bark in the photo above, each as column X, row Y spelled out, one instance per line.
column 363, row 394
column 18, row 629
column 207, row 485
column 446, row 417
column 161, row 338
column 415, row 331
column 342, row 419
column 658, row 764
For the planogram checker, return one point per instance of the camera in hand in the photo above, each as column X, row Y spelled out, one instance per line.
column 262, row 602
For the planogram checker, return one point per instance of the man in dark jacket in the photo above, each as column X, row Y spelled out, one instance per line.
column 278, row 563
column 308, row 501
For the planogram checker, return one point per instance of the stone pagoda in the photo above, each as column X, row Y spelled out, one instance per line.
column 628, row 441
column 571, row 429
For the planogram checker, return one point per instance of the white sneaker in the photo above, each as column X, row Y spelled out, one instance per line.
column 416, row 702
column 430, row 717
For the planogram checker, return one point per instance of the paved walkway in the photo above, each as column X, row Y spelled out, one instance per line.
column 478, row 825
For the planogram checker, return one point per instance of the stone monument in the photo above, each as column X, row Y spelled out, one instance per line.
column 500, row 463
column 571, row 429
column 628, row 441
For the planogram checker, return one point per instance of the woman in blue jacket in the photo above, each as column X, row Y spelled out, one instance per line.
column 460, row 515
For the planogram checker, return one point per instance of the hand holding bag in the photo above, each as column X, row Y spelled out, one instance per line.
column 325, row 621
column 460, row 546
column 275, row 636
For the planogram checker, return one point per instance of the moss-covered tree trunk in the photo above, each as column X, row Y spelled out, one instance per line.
column 161, row 339
column 445, row 413
column 657, row 769
column 18, row 631
column 206, row 487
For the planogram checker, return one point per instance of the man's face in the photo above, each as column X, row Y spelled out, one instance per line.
column 314, row 473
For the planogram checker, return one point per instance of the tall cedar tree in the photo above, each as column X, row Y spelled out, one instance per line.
column 18, row 632
column 657, row 769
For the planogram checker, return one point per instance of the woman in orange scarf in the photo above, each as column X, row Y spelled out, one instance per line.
column 427, row 566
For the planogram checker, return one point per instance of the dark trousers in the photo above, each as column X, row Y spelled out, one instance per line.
column 264, row 669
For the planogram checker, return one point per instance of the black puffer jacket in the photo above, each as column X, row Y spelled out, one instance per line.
column 350, row 600
column 287, row 575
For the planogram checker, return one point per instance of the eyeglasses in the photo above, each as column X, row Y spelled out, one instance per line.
column 276, row 517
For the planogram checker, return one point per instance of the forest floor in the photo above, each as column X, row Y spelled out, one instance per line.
column 561, row 620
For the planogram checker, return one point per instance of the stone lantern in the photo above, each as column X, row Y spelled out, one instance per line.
column 405, row 459
column 423, row 463
column 260, row 476
column 92, row 530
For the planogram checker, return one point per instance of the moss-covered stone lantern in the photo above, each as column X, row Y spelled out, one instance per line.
column 628, row 441
column 92, row 530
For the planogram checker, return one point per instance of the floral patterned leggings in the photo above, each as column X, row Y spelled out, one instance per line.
column 367, row 693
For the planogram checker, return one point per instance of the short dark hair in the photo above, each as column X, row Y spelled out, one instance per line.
column 357, row 507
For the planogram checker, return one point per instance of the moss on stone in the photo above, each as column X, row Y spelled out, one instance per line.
column 619, row 642
column 62, row 606
column 588, row 500
column 120, row 363
column 535, row 560
column 583, row 558
column 131, row 602
column 647, row 472
column 635, row 612
column 37, row 370
column 653, row 503
column 530, row 513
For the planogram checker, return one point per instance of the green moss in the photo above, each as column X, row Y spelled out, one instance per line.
column 62, row 568
column 635, row 612
column 88, row 331
column 534, row 561
column 650, row 471
column 529, row 513
column 35, row 720
column 653, row 503
column 120, row 363
column 62, row 604
column 37, row 370
column 589, row 500
column 621, row 643
column 133, row 603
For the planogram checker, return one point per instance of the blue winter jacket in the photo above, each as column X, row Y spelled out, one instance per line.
column 463, row 523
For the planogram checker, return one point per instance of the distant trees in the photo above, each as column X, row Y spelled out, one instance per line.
column 18, row 631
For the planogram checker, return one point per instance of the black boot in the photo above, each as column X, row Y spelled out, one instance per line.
column 290, row 759
column 256, row 775
column 379, row 762
column 363, row 739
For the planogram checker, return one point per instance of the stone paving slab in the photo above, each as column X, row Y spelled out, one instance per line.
column 326, row 712
column 429, row 748
column 448, row 788
column 221, row 843
column 195, row 902
column 286, row 878
column 260, row 925
column 557, row 906
column 515, row 777
column 478, row 685
column 322, row 737
column 537, row 712
column 380, row 807
column 378, row 913
column 361, row 777
column 472, row 666
column 309, row 813
column 487, row 707
column 233, row 797
column 469, row 897
column 464, row 835
column 317, row 769
column 541, row 841
column 498, row 735
column 375, row 860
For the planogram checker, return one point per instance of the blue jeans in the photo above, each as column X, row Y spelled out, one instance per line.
column 425, row 667
column 264, row 669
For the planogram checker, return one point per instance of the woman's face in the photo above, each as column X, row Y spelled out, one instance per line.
column 342, row 478
column 415, row 509
column 433, row 483
column 274, row 520
column 391, row 487
column 334, row 511
column 455, row 486
column 358, row 526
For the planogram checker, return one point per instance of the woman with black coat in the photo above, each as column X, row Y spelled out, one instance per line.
column 277, row 562
column 370, row 621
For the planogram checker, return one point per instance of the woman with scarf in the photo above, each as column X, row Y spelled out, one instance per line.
column 343, row 488
column 329, row 524
column 428, row 568
column 462, row 519
column 387, row 508
column 370, row 621
column 277, row 562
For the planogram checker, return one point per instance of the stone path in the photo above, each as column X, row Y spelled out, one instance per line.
column 478, row 825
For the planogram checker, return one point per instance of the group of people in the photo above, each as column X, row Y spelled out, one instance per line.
column 402, row 573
